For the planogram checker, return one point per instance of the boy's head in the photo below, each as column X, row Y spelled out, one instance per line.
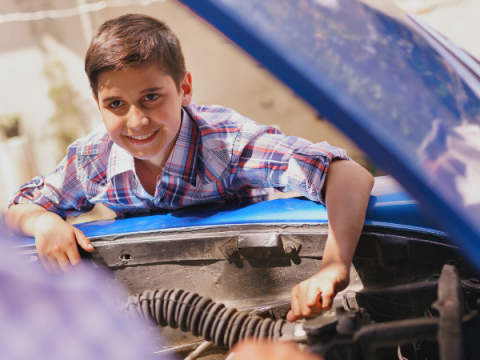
column 137, row 73
column 132, row 41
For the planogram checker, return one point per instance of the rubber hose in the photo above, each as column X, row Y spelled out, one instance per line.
column 202, row 316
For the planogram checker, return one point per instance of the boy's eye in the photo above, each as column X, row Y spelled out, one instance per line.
column 115, row 104
column 151, row 97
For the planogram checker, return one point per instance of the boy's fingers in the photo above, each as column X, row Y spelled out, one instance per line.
column 45, row 263
column 291, row 317
column 314, row 296
column 83, row 241
column 296, row 311
column 64, row 262
column 302, row 299
column 54, row 265
column 75, row 259
column 328, row 292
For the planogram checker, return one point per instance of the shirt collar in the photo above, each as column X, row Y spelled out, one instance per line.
column 119, row 161
column 182, row 160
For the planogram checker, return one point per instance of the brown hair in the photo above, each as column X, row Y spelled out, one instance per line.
column 134, row 40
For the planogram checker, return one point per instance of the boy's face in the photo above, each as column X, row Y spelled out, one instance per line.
column 141, row 109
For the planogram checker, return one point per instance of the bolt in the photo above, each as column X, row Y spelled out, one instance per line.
column 289, row 249
column 474, row 280
column 229, row 250
column 282, row 313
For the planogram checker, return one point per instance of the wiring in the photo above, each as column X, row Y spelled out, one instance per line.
column 63, row 13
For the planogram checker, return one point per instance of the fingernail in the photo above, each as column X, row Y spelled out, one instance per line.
column 90, row 246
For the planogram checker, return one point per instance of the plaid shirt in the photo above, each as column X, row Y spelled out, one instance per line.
column 219, row 154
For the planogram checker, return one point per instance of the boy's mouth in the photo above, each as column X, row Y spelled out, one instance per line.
column 142, row 139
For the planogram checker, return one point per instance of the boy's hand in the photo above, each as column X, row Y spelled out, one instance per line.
column 56, row 243
column 314, row 295
column 347, row 191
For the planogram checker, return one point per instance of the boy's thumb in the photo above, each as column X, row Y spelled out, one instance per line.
column 83, row 241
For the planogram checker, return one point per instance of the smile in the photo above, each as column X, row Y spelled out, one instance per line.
column 142, row 137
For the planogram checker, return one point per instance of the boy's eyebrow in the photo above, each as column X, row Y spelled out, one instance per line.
column 143, row 92
column 110, row 98
column 152, row 89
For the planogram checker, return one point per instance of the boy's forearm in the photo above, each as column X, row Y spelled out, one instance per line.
column 347, row 191
column 21, row 218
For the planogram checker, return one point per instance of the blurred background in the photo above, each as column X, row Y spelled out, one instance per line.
column 46, row 102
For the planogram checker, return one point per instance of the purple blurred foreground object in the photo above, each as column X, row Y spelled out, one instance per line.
column 71, row 316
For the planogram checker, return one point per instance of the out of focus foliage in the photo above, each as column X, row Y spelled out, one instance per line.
column 9, row 125
column 69, row 122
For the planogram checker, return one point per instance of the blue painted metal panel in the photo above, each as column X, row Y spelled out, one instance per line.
column 371, row 70
column 392, row 210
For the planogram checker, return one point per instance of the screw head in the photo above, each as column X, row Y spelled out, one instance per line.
column 282, row 313
column 229, row 250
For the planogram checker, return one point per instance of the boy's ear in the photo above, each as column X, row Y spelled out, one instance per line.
column 186, row 89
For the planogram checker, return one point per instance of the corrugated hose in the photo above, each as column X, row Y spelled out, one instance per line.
column 201, row 316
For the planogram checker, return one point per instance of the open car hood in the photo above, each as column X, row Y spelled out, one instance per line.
column 405, row 95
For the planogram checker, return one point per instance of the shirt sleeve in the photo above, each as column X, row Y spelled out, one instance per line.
column 60, row 192
column 267, row 158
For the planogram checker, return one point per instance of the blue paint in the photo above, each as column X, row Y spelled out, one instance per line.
column 376, row 74
column 392, row 209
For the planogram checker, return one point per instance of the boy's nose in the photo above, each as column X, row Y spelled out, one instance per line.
column 137, row 118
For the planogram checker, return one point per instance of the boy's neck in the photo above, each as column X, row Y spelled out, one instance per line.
column 149, row 166
column 148, row 174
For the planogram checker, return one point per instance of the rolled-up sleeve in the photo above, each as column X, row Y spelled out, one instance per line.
column 308, row 166
column 60, row 192
column 268, row 158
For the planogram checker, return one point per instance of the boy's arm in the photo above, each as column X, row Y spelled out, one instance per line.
column 347, row 191
column 56, row 240
column 39, row 206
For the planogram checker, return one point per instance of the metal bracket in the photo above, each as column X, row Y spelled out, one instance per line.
column 260, row 240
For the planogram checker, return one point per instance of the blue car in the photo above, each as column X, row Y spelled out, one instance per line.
column 411, row 100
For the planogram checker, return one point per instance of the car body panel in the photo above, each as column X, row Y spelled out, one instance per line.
column 372, row 70
column 390, row 207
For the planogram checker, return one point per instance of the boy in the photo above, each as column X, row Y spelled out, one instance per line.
column 157, row 149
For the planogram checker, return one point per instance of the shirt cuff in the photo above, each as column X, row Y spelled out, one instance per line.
column 31, row 193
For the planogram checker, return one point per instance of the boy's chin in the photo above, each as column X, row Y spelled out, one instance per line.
column 153, row 158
